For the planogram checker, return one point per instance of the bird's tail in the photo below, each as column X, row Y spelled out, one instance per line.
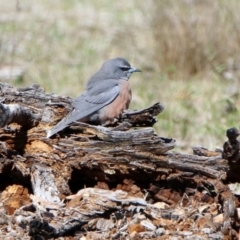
column 71, row 117
column 55, row 129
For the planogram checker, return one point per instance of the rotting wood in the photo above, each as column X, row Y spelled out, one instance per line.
column 128, row 158
column 41, row 176
column 14, row 113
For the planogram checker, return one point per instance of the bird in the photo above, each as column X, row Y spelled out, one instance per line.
column 106, row 96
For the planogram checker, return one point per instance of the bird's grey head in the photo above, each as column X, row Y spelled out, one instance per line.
column 118, row 68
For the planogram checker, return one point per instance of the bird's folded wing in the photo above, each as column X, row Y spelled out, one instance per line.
column 85, row 105
column 104, row 93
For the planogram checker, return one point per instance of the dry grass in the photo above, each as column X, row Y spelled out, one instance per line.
column 186, row 49
column 196, row 35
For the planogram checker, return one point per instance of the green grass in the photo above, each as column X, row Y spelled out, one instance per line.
column 188, row 51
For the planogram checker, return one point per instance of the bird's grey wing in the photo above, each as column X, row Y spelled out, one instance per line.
column 97, row 93
column 85, row 105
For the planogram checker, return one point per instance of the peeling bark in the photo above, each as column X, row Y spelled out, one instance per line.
column 14, row 113
column 113, row 182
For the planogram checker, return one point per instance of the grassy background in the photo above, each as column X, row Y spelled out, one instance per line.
column 188, row 50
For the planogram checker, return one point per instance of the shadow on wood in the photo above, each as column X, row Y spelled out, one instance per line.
column 112, row 182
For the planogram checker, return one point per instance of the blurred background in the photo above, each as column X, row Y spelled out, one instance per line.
column 188, row 51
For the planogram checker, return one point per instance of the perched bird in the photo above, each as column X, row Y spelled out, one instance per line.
column 106, row 96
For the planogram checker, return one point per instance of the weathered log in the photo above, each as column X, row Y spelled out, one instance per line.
column 128, row 158
column 41, row 176
column 14, row 113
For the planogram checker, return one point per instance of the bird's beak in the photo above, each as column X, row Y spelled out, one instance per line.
column 132, row 69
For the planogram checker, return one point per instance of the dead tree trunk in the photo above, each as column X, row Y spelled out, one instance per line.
column 114, row 173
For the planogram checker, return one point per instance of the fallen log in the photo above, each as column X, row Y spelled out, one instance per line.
column 121, row 175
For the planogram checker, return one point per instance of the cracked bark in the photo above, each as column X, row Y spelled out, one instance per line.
column 128, row 157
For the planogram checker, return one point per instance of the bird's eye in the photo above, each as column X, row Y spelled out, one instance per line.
column 125, row 68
